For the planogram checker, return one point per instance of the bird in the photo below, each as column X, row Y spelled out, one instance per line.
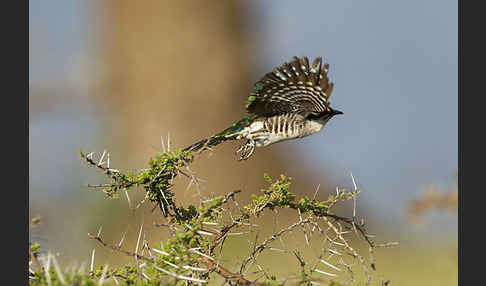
column 290, row 102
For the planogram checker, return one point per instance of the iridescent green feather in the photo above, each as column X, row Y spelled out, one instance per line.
column 223, row 135
column 256, row 90
column 237, row 126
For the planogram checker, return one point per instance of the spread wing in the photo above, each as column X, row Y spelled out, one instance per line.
column 294, row 87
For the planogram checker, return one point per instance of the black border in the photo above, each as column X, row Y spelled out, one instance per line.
column 471, row 72
column 15, row 139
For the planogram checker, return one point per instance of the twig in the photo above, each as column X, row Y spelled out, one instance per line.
column 223, row 272
column 117, row 248
column 274, row 236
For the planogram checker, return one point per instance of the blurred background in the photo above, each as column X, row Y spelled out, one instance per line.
column 119, row 75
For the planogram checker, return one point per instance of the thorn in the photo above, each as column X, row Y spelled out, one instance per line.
column 276, row 249
column 317, row 190
column 171, row 264
column 81, row 269
column 325, row 273
column 128, row 198
column 202, row 254
column 204, row 232
column 189, row 185
column 180, row 276
column 123, row 238
column 338, row 243
column 195, row 268
column 58, row 270
column 237, row 233
column 160, row 252
column 209, row 223
column 146, row 276
column 138, row 242
column 47, row 267
column 142, row 201
column 99, row 231
column 335, row 252
column 101, row 159
column 91, row 267
column 354, row 182
column 168, row 141
column 103, row 274
column 163, row 145
column 162, row 205
column 330, row 265
column 354, row 197
column 143, row 245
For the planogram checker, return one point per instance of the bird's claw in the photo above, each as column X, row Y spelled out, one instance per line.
column 246, row 150
column 359, row 223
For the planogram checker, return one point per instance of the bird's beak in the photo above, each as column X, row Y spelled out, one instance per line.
column 336, row 112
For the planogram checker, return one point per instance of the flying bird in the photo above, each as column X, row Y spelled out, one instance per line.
column 290, row 102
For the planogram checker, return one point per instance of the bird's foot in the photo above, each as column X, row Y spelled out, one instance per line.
column 246, row 149
column 359, row 223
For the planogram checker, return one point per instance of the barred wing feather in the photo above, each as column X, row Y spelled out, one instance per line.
column 294, row 87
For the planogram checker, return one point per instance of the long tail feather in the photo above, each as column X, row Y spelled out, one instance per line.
column 208, row 142
column 227, row 134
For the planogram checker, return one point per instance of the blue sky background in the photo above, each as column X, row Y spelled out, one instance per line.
column 394, row 64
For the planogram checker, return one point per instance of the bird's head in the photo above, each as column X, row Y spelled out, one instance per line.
column 336, row 112
column 323, row 117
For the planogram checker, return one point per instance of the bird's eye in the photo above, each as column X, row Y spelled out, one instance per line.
column 313, row 116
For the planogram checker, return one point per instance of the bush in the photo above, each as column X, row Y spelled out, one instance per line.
column 199, row 233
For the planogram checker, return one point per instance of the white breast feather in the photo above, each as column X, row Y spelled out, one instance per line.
column 312, row 127
column 255, row 132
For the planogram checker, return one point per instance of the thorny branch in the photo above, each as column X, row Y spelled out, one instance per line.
column 187, row 224
column 119, row 249
column 213, row 266
column 264, row 244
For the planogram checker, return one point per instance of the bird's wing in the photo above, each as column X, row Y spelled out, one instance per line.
column 294, row 87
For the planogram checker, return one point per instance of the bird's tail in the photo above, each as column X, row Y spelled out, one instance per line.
column 222, row 136
column 208, row 142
